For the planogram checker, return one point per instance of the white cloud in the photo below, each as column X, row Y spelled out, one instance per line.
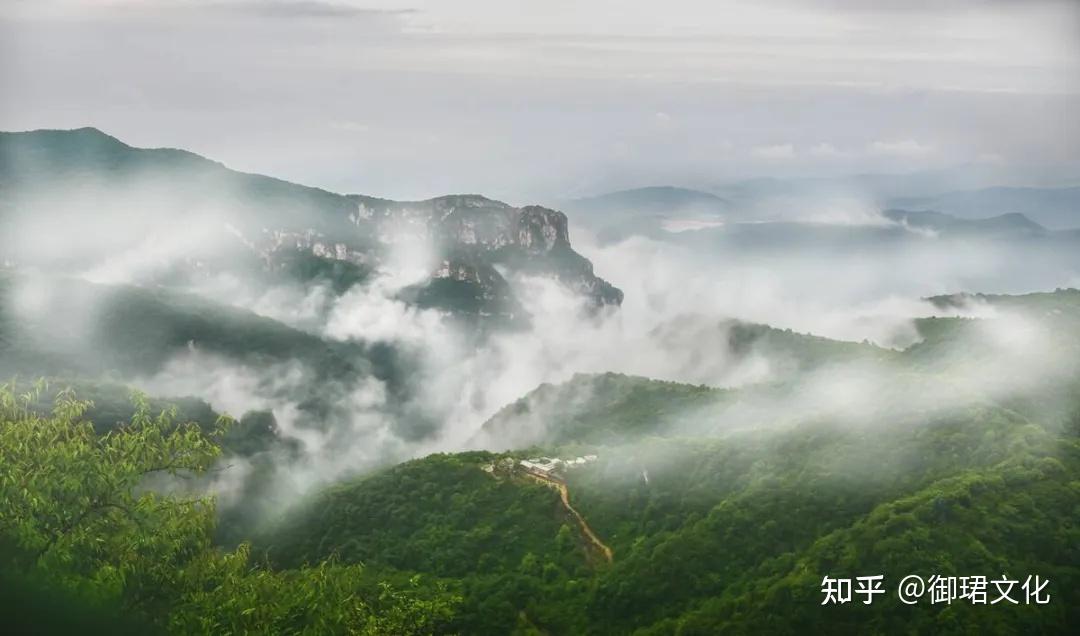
column 350, row 126
column 900, row 148
column 777, row 151
column 990, row 158
column 506, row 86
column 825, row 150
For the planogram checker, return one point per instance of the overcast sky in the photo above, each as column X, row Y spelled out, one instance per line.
column 546, row 98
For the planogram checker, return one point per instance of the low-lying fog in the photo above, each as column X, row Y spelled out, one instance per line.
column 672, row 325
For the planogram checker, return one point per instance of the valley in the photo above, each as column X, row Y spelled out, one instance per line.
column 560, row 318
column 341, row 392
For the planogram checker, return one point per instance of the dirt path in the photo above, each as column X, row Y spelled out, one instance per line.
column 564, row 492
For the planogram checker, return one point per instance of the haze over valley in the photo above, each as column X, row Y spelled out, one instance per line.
column 415, row 320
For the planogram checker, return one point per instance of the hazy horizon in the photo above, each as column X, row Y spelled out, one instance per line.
column 410, row 100
column 738, row 307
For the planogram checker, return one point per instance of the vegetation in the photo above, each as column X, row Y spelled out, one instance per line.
column 732, row 534
column 599, row 408
column 82, row 329
column 802, row 351
column 305, row 268
column 77, row 516
column 441, row 515
column 723, row 513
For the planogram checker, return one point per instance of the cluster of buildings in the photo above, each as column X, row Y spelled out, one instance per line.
column 548, row 466
column 543, row 466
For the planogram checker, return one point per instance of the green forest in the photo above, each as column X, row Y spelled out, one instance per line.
column 83, row 539
column 235, row 405
column 728, row 528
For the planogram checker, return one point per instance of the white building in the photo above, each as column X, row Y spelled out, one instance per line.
column 548, row 465
column 542, row 465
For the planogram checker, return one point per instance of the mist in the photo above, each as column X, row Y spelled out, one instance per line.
column 416, row 380
column 674, row 325
column 550, row 317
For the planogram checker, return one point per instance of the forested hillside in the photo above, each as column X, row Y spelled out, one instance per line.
column 734, row 530
column 723, row 514
column 733, row 533
column 241, row 406
column 539, row 318
column 78, row 200
column 84, row 542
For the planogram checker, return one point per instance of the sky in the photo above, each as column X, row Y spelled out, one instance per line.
column 527, row 99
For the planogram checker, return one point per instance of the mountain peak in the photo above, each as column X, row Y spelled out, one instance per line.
column 938, row 221
column 664, row 196
column 57, row 138
column 99, row 176
column 1016, row 219
column 467, row 201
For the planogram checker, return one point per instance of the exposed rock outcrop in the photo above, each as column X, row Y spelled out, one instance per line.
column 474, row 235
column 246, row 224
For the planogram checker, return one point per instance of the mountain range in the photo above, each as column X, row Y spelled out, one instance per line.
column 661, row 210
column 723, row 512
column 598, row 503
column 97, row 199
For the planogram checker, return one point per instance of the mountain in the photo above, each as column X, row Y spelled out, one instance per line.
column 375, row 517
column 646, row 211
column 1060, row 304
column 165, row 214
column 594, row 409
column 732, row 529
column 601, row 504
column 1010, row 225
column 474, row 234
column 127, row 334
column 893, row 188
column 1056, row 208
column 895, row 228
column 135, row 331
column 608, row 407
column 725, row 535
column 826, row 207
column 653, row 200
column 874, row 186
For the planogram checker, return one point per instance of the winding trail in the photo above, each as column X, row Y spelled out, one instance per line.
column 564, row 492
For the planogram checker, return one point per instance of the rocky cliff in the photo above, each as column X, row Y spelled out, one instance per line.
column 63, row 182
column 475, row 237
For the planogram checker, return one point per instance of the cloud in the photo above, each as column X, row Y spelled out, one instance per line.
column 311, row 9
column 802, row 75
column 900, row 148
column 671, row 326
column 990, row 158
column 777, row 151
column 350, row 126
column 825, row 150
column 263, row 8
column 299, row 9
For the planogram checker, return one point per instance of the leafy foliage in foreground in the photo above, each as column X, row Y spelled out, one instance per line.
column 76, row 514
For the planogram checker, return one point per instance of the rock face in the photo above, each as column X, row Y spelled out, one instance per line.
column 55, row 180
column 542, row 230
column 474, row 236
